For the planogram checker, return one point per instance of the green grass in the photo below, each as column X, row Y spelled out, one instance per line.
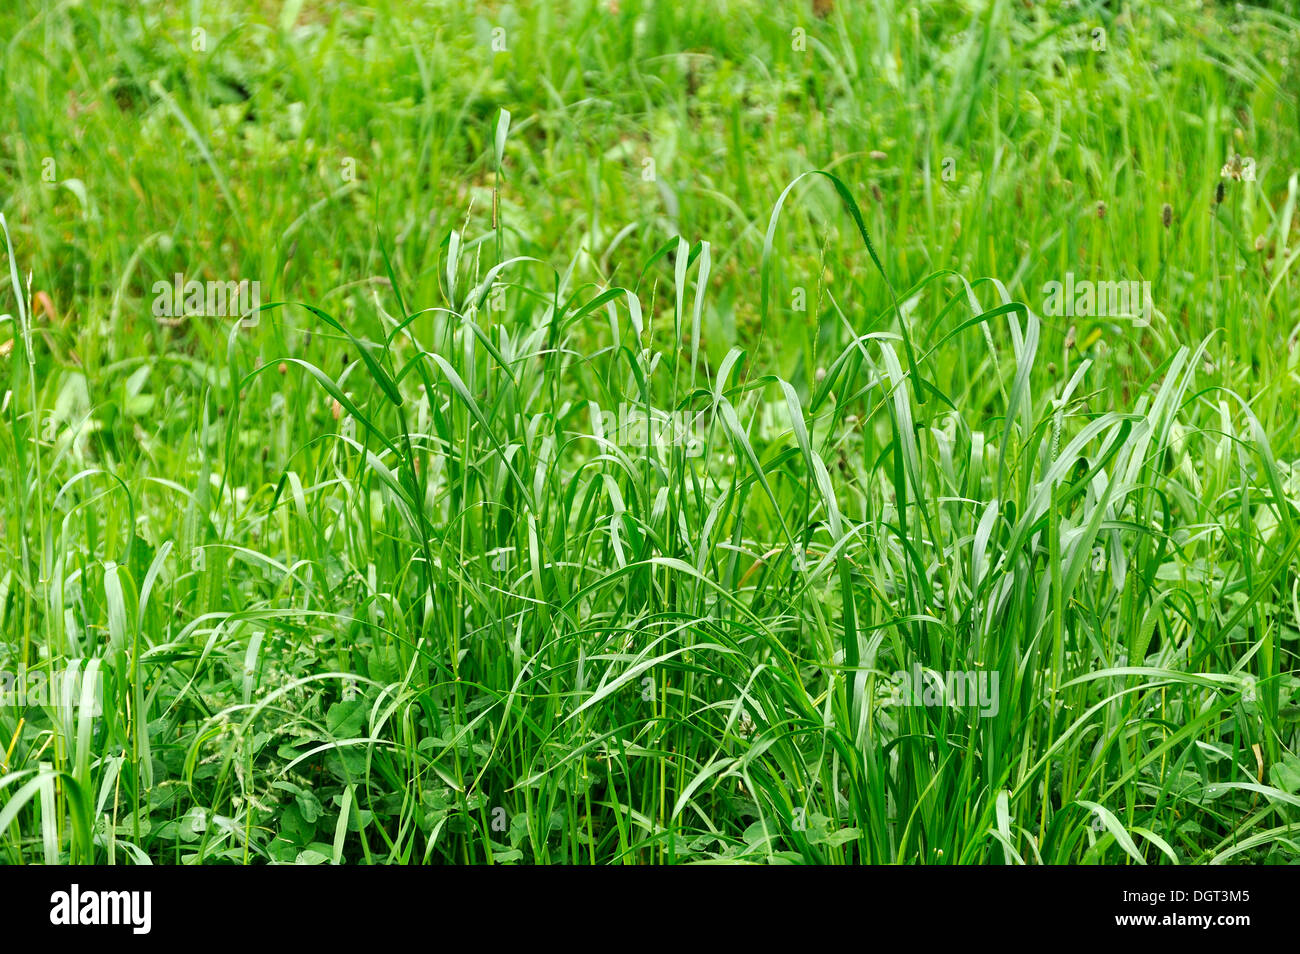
column 375, row 576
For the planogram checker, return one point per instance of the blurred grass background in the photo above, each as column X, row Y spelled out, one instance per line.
column 277, row 142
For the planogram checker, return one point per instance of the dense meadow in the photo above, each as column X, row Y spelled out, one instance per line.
column 635, row 432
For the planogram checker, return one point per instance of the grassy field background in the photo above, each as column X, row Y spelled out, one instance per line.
column 603, row 467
